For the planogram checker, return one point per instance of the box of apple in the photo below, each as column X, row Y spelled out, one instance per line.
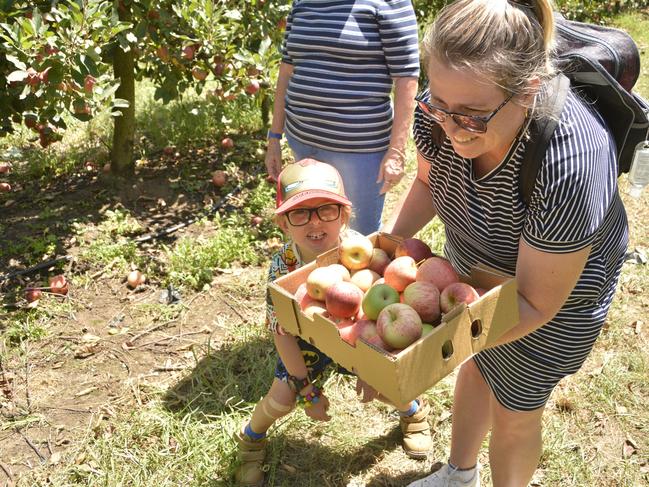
column 399, row 316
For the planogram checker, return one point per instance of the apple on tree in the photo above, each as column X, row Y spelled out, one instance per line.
column 399, row 325
column 377, row 298
column 437, row 270
column 400, row 272
column 355, row 251
column 457, row 293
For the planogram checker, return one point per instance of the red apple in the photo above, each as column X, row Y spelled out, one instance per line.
column 457, row 293
column 135, row 278
column 169, row 150
column 400, row 272
column 346, row 330
column 88, row 84
column 379, row 261
column 90, row 166
column 343, row 299
column 163, row 53
column 415, row 248
column 252, row 87
column 399, row 325
column 219, row 178
column 377, row 298
column 198, row 73
column 344, row 272
column 58, row 284
column 355, row 251
column 5, row 167
column 366, row 330
column 188, row 52
column 300, row 292
column 481, row 291
column 423, row 297
column 437, row 270
column 313, row 306
column 227, row 143
column 256, row 220
column 319, row 280
column 5, row 187
column 364, row 278
column 32, row 294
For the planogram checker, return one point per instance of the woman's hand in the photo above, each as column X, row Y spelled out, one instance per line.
column 392, row 169
column 366, row 390
column 318, row 410
column 273, row 159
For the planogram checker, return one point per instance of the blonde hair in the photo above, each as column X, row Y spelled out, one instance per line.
column 507, row 42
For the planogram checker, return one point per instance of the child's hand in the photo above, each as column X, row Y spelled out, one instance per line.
column 368, row 392
column 318, row 410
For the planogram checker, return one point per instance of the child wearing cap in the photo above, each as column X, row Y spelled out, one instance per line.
column 313, row 212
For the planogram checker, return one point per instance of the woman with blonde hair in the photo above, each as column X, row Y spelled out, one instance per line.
column 490, row 77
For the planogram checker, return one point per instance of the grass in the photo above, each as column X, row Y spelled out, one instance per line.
column 177, row 429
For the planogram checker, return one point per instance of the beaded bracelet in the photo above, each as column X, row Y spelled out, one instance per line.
column 310, row 398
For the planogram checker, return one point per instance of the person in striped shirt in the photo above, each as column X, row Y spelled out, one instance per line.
column 490, row 68
column 341, row 59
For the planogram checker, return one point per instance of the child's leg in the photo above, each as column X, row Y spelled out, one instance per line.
column 414, row 426
column 279, row 401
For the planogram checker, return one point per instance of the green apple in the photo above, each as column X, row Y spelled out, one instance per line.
column 377, row 298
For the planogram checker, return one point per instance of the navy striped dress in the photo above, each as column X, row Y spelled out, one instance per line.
column 344, row 55
column 575, row 203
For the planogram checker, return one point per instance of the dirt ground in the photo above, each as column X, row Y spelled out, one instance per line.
column 102, row 357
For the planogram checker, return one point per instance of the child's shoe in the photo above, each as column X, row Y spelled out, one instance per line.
column 250, row 472
column 450, row 477
column 416, row 431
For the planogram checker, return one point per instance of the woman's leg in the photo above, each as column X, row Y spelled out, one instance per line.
column 472, row 409
column 515, row 446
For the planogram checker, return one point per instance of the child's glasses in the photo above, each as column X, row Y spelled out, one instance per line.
column 301, row 216
column 472, row 123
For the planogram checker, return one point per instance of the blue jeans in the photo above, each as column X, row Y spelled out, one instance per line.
column 359, row 172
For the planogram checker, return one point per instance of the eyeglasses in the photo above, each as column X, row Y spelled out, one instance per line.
column 472, row 123
column 301, row 216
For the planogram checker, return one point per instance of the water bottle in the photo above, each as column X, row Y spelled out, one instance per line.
column 639, row 172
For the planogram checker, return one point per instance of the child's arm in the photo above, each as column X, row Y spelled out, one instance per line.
column 290, row 353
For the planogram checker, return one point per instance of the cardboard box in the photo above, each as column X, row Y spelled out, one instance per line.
column 462, row 332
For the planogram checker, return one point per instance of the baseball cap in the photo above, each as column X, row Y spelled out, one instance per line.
column 306, row 180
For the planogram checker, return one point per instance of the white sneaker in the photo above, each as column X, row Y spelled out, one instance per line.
column 448, row 477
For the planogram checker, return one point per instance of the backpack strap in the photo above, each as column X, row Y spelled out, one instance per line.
column 540, row 133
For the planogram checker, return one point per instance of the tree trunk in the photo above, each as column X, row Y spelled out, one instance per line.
column 121, row 155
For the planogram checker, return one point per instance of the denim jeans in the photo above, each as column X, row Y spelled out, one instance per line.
column 359, row 172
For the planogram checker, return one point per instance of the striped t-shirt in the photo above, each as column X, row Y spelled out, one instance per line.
column 344, row 55
column 575, row 203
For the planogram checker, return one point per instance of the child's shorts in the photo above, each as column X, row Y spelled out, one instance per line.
column 316, row 362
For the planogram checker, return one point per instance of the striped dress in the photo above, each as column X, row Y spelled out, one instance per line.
column 575, row 203
column 344, row 55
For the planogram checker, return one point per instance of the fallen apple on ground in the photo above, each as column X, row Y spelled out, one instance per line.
column 32, row 294
column 135, row 278
column 58, row 284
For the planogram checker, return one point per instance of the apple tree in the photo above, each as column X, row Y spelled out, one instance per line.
column 80, row 56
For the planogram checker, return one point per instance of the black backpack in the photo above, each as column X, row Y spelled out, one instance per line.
column 602, row 64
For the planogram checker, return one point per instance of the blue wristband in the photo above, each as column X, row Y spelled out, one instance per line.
column 274, row 135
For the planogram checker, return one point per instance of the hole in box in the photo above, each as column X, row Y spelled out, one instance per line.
column 476, row 328
column 447, row 350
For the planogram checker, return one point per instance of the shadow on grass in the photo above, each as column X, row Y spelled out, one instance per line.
column 231, row 378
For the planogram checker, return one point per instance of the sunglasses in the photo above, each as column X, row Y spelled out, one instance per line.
column 471, row 123
column 302, row 216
